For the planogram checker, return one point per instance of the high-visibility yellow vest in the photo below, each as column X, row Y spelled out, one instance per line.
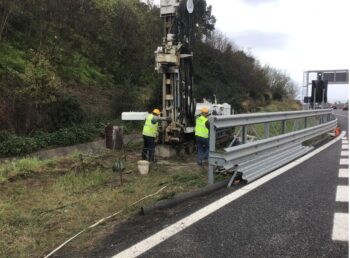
column 201, row 130
column 150, row 129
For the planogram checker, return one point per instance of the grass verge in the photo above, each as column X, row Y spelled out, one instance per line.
column 43, row 203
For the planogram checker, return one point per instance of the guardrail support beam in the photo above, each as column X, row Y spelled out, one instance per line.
column 244, row 134
column 267, row 130
column 212, row 142
column 283, row 126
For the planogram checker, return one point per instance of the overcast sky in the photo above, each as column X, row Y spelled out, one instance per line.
column 291, row 35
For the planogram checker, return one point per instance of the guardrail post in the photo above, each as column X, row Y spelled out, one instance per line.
column 296, row 125
column 244, row 134
column 267, row 130
column 305, row 122
column 283, row 126
column 212, row 143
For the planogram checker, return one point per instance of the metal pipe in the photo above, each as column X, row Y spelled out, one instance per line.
column 323, row 91
column 314, row 103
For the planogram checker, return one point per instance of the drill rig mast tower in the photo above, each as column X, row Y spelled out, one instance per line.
column 174, row 60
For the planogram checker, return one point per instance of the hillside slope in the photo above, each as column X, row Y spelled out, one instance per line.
column 64, row 62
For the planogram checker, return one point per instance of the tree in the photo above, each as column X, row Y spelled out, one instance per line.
column 7, row 7
column 41, row 84
column 280, row 84
column 125, row 98
column 106, row 47
column 201, row 22
column 219, row 41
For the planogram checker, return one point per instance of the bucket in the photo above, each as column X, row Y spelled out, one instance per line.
column 143, row 167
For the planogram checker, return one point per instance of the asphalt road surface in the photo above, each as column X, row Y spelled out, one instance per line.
column 300, row 213
column 343, row 119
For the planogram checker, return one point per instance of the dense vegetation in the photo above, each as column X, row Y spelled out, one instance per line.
column 13, row 145
column 65, row 62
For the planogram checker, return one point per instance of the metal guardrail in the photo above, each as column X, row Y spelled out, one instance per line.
column 254, row 159
column 256, row 118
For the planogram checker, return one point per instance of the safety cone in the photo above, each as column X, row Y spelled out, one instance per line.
column 337, row 132
column 236, row 181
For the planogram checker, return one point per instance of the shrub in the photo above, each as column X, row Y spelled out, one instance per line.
column 13, row 145
column 16, row 146
column 4, row 135
column 65, row 112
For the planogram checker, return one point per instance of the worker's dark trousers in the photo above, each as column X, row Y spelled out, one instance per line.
column 149, row 146
column 202, row 149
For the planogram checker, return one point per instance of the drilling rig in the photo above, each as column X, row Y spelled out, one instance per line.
column 174, row 60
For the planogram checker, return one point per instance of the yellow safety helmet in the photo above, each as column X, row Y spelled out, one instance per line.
column 156, row 111
column 204, row 110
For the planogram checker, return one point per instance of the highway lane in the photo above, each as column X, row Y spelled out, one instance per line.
column 289, row 216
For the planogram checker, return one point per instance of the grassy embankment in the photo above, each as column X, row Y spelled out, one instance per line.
column 43, row 203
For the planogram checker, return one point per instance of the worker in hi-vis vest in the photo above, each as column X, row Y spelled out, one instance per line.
column 202, row 136
column 150, row 132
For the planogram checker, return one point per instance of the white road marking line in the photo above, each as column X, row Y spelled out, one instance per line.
column 340, row 227
column 342, row 193
column 152, row 241
column 344, row 154
column 344, row 172
column 345, row 141
column 345, row 147
column 344, row 162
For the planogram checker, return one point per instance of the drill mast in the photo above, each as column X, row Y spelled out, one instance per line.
column 174, row 60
